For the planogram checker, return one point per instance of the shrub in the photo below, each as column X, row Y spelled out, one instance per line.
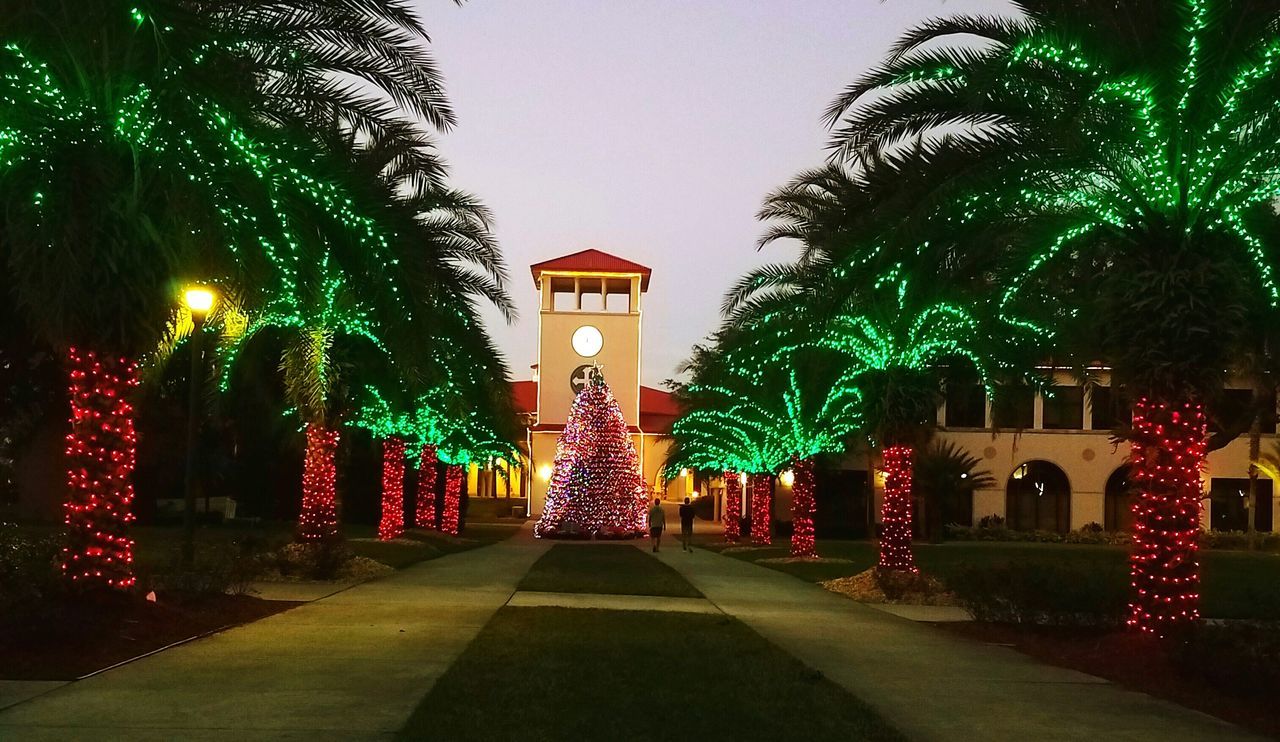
column 1262, row 541
column 1090, row 534
column 29, row 575
column 1241, row 658
column 318, row 561
column 215, row 572
column 991, row 521
column 1023, row 593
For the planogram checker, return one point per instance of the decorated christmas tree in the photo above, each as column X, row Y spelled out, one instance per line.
column 596, row 489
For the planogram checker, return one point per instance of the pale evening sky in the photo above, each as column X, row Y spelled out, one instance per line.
column 651, row 129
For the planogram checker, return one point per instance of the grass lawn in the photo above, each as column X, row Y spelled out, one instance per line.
column 417, row 546
column 609, row 568
column 560, row 673
column 1237, row 584
column 158, row 548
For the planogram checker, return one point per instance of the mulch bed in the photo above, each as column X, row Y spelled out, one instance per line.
column 1130, row 660
column 78, row 639
column 884, row 586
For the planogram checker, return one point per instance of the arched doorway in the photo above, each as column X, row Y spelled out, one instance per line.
column 1119, row 499
column 1038, row 498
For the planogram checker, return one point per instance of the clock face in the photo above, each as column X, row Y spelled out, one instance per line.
column 587, row 341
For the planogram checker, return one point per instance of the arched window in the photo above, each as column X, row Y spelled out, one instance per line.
column 1120, row 497
column 1038, row 498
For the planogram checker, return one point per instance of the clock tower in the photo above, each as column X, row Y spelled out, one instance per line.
column 589, row 322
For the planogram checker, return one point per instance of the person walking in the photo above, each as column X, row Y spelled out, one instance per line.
column 657, row 522
column 686, row 525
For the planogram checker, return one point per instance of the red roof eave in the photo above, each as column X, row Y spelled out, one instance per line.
column 592, row 261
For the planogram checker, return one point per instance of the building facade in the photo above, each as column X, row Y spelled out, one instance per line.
column 1057, row 466
column 1052, row 455
column 1055, row 463
column 590, row 320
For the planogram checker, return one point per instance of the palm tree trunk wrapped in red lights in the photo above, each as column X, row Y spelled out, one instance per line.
column 452, row 498
column 761, row 509
column 101, row 451
column 895, row 511
column 802, row 508
column 1167, row 457
column 732, row 507
column 425, row 512
column 318, row 520
column 392, row 523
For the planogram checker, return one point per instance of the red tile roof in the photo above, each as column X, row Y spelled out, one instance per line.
column 657, row 407
column 524, row 396
column 592, row 261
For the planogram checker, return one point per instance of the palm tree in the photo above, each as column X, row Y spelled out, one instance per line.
column 1127, row 150
column 393, row 428
column 946, row 476
column 761, row 408
column 476, row 440
column 319, row 330
column 711, row 435
column 311, row 61
column 892, row 337
column 142, row 130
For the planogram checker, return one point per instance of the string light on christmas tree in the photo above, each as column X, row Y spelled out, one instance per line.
column 425, row 512
column 101, row 452
column 596, row 489
column 761, row 509
column 895, row 513
column 391, row 525
column 318, row 520
column 802, row 509
column 1166, row 460
column 452, row 497
column 732, row 507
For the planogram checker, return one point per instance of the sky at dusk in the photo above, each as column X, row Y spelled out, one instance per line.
column 651, row 129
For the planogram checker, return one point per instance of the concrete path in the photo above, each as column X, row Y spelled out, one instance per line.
column 931, row 685
column 298, row 592
column 351, row 666
column 535, row 599
column 924, row 613
column 13, row 692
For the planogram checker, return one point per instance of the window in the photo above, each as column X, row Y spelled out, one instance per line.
column 1231, row 411
column 1119, row 499
column 592, row 301
column 1014, row 407
column 1109, row 408
column 1102, row 411
column 966, row 406
column 619, row 303
column 1229, row 504
column 1269, row 411
column 564, row 301
column 1064, row 408
column 1038, row 498
column 1235, row 409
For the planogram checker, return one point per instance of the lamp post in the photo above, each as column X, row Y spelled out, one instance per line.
column 199, row 301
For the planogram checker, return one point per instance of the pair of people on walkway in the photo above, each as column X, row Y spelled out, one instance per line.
column 658, row 523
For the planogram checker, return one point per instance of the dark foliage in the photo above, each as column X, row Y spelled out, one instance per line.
column 1040, row 594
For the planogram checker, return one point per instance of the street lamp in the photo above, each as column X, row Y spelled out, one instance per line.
column 199, row 302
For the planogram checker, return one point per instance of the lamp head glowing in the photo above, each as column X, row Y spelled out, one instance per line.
column 544, row 472
column 199, row 300
column 788, row 478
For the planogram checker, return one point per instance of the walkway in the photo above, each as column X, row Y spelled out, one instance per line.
column 930, row 685
column 351, row 666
